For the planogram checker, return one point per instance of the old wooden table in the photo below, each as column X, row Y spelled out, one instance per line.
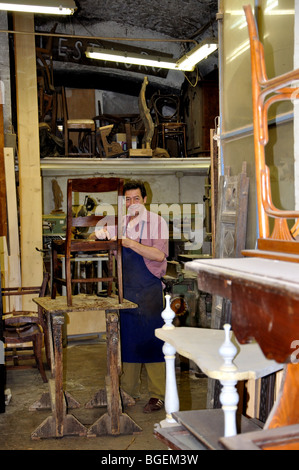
column 265, row 299
column 61, row 423
column 265, row 307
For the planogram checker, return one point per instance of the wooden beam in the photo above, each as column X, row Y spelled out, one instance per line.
column 30, row 185
column 12, row 263
column 3, row 207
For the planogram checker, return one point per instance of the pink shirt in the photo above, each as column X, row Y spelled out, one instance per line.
column 149, row 229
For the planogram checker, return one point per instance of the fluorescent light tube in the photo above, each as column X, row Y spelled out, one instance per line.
column 185, row 63
column 125, row 58
column 50, row 7
column 197, row 54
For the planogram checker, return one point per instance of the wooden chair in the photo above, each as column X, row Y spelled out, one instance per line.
column 23, row 327
column 72, row 245
column 85, row 128
column 107, row 125
column 141, row 127
column 266, row 92
column 168, row 122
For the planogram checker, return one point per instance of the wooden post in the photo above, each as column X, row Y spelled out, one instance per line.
column 3, row 214
column 28, row 151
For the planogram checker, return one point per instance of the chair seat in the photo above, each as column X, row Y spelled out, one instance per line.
column 26, row 331
column 18, row 335
column 81, row 123
column 85, row 245
column 172, row 125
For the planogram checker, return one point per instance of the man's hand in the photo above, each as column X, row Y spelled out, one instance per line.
column 102, row 234
column 149, row 252
column 126, row 242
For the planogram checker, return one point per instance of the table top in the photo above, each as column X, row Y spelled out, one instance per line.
column 201, row 346
column 265, row 300
column 82, row 302
column 265, row 272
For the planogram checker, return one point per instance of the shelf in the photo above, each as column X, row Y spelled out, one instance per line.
column 94, row 166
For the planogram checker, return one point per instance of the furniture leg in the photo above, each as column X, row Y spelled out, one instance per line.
column 37, row 345
column 114, row 422
column 60, row 423
column 229, row 399
column 171, row 393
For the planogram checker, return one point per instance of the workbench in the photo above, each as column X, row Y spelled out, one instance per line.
column 61, row 423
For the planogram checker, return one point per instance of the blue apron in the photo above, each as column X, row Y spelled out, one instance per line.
column 137, row 326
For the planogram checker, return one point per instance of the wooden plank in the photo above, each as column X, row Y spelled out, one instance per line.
column 282, row 438
column 30, row 187
column 3, row 208
column 140, row 152
column 13, row 274
column 178, row 438
column 208, row 425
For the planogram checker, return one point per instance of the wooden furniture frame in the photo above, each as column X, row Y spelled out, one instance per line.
column 266, row 92
column 265, row 307
column 85, row 127
column 23, row 327
column 62, row 423
column 133, row 124
column 169, row 126
column 71, row 245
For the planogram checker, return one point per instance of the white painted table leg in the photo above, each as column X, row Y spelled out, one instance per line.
column 171, row 393
column 229, row 397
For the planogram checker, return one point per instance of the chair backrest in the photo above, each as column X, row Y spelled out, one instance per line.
column 167, row 108
column 88, row 186
column 266, row 92
column 20, row 291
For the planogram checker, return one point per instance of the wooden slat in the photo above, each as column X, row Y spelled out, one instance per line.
column 30, row 187
column 3, row 208
column 13, row 266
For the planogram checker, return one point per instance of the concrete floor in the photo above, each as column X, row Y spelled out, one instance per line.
column 84, row 374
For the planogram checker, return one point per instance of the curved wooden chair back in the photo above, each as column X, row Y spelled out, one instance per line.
column 266, row 92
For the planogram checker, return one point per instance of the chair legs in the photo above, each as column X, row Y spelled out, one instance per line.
column 37, row 346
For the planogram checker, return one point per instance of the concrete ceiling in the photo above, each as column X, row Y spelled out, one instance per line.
column 174, row 18
column 168, row 20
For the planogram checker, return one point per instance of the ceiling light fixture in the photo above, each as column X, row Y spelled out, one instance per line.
column 129, row 58
column 197, row 54
column 50, row 7
column 186, row 63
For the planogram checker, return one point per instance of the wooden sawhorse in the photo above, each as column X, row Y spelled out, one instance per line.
column 61, row 423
